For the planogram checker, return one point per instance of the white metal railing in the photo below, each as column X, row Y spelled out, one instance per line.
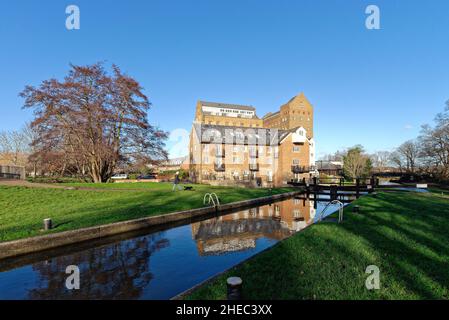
column 211, row 197
column 340, row 210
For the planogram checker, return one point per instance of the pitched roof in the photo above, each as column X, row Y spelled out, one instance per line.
column 227, row 105
column 239, row 135
column 270, row 114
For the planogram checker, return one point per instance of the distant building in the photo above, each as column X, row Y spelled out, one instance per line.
column 12, row 172
column 329, row 167
column 173, row 164
column 230, row 145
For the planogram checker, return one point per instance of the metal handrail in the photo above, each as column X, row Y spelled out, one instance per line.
column 340, row 210
column 210, row 197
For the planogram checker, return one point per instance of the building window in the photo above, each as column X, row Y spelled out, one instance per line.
column 235, row 160
column 295, row 161
column 295, row 149
column 206, row 160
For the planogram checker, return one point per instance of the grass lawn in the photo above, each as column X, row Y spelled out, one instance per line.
column 23, row 209
column 405, row 234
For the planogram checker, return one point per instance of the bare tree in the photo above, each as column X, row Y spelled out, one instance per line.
column 93, row 120
column 14, row 147
column 409, row 152
column 397, row 160
column 434, row 142
column 381, row 160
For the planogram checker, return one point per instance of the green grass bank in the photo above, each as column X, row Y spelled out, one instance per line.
column 405, row 234
column 23, row 209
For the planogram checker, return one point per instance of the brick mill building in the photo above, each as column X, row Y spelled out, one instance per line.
column 230, row 144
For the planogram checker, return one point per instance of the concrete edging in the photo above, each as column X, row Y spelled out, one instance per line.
column 39, row 243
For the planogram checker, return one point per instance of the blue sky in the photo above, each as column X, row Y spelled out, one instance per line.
column 369, row 87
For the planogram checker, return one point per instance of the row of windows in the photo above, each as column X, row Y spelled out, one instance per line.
column 232, row 123
column 236, row 111
column 239, row 160
column 238, row 148
column 298, row 112
column 235, row 160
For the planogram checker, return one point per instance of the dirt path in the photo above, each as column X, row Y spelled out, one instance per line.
column 23, row 183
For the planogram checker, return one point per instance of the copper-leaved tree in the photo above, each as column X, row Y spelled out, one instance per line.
column 93, row 120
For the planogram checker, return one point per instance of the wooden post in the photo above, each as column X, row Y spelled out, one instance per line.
column 234, row 288
column 47, row 224
column 357, row 187
column 333, row 192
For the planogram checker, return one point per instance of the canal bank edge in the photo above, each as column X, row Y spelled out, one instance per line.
column 20, row 247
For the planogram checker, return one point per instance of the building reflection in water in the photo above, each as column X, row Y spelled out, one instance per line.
column 116, row 271
column 240, row 230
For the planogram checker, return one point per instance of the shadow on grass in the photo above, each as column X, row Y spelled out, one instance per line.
column 404, row 234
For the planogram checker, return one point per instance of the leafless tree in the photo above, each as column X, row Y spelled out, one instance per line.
column 381, row 160
column 14, row 147
column 93, row 121
column 409, row 152
column 434, row 142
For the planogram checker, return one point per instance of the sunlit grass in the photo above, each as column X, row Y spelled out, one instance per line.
column 22, row 209
column 405, row 234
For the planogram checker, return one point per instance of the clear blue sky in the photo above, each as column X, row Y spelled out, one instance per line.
column 373, row 87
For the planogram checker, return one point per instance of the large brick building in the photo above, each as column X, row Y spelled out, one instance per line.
column 230, row 144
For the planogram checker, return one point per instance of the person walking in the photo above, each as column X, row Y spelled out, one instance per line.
column 176, row 182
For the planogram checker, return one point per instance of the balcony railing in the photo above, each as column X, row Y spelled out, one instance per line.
column 253, row 153
column 219, row 167
column 302, row 169
column 9, row 175
column 254, row 167
column 220, row 154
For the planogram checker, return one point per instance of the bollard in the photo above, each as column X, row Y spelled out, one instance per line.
column 47, row 224
column 234, row 288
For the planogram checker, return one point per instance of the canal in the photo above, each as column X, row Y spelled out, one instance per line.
column 160, row 263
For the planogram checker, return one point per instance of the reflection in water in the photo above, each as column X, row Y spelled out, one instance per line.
column 240, row 230
column 162, row 264
column 118, row 271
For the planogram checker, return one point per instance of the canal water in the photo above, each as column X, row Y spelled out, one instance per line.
column 161, row 263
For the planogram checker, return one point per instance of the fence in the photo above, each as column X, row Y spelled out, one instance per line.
column 12, row 172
